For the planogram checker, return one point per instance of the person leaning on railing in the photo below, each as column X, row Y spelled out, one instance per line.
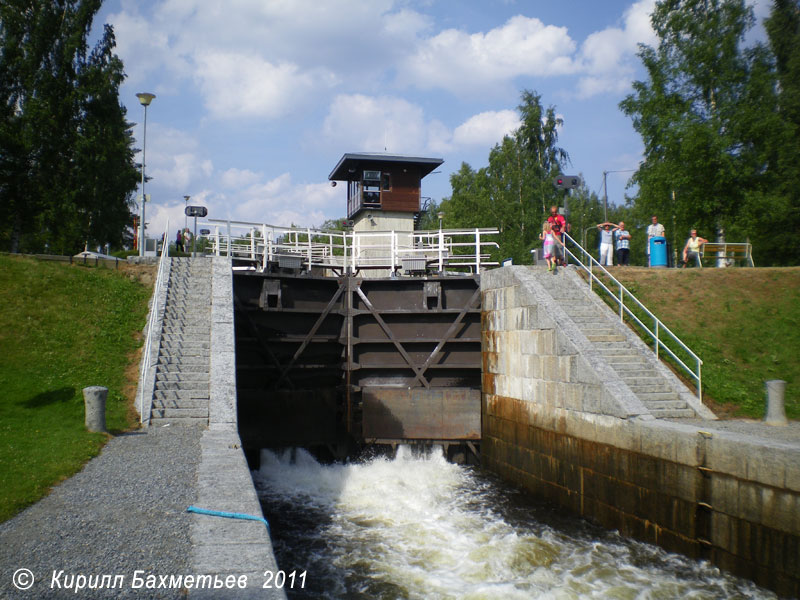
column 692, row 248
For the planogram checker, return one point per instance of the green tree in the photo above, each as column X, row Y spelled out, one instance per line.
column 774, row 212
column 706, row 115
column 66, row 154
column 514, row 191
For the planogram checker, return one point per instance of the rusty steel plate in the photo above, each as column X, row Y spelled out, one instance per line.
column 422, row 414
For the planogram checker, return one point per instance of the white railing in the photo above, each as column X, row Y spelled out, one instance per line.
column 152, row 321
column 439, row 250
column 659, row 332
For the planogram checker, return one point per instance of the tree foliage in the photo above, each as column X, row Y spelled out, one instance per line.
column 709, row 118
column 66, row 150
column 514, row 191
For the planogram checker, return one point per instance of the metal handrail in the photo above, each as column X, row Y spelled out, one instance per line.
column 151, row 323
column 588, row 263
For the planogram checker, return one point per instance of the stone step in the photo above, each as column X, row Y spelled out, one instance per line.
column 197, row 376
column 185, row 351
column 176, row 368
column 180, row 395
column 650, row 388
column 686, row 413
column 176, row 339
column 181, row 403
column 647, row 397
column 643, row 376
column 186, row 329
column 182, row 386
column 180, row 311
column 581, row 310
column 183, row 361
column 626, row 364
column 167, row 413
column 185, row 344
column 582, row 320
column 179, row 422
column 667, row 405
column 605, row 337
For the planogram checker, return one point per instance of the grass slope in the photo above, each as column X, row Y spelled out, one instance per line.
column 62, row 328
column 743, row 323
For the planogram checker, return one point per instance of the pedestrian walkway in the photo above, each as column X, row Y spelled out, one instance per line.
column 181, row 393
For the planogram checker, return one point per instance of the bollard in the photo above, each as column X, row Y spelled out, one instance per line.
column 776, row 413
column 94, row 399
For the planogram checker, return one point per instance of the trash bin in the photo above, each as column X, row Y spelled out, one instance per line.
column 658, row 252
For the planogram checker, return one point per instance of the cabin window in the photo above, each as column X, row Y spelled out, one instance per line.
column 371, row 181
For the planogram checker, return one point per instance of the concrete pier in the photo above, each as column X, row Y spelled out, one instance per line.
column 560, row 424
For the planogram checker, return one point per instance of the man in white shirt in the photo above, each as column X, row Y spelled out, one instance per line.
column 656, row 229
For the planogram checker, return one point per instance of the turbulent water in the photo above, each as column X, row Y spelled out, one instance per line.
column 417, row 526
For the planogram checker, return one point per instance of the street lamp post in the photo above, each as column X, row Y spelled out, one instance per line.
column 145, row 99
column 605, row 190
column 185, row 218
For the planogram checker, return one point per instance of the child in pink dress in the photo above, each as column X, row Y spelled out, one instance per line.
column 549, row 245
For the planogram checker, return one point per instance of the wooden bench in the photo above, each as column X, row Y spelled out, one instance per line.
column 742, row 251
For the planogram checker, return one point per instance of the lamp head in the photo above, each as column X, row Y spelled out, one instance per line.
column 145, row 98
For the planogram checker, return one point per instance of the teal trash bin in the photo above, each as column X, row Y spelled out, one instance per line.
column 658, row 252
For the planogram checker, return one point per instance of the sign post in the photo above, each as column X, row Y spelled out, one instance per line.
column 195, row 211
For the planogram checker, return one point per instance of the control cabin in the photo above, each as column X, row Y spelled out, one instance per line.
column 383, row 190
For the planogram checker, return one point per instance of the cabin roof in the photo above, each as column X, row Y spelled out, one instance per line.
column 352, row 163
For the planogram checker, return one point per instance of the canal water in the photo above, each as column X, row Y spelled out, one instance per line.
column 416, row 526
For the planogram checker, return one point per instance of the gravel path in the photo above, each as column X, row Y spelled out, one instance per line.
column 125, row 511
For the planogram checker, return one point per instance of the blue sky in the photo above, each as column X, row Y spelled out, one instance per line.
column 257, row 100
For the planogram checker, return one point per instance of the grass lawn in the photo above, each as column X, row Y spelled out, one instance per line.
column 743, row 323
column 62, row 328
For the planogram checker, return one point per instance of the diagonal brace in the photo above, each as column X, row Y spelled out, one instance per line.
column 417, row 371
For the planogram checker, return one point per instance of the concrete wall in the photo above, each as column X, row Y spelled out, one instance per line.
column 220, row 545
column 557, row 423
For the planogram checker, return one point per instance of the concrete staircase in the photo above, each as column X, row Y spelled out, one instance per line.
column 603, row 329
column 181, row 394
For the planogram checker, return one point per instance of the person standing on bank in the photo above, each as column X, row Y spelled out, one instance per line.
column 623, row 239
column 655, row 229
column 607, row 243
column 692, row 248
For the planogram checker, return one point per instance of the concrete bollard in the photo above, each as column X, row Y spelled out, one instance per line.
column 776, row 412
column 94, row 399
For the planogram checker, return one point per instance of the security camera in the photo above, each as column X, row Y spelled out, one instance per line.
column 333, row 184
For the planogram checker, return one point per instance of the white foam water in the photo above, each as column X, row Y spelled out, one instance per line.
column 417, row 526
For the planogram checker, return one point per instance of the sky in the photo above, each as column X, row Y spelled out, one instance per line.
column 257, row 100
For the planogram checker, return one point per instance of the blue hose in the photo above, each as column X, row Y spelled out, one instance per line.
column 229, row 515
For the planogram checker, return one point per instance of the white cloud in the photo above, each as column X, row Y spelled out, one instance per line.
column 383, row 123
column 377, row 124
column 608, row 57
column 239, row 178
column 282, row 202
column 236, row 85
column 486, row 129
column 461, row 62
column 173, row 159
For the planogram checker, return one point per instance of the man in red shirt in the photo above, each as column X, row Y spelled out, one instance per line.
column 558, row 225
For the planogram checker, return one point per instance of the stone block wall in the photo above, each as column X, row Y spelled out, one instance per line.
column 556, row 423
